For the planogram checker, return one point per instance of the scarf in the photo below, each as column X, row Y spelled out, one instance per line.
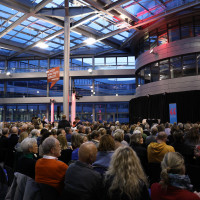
column 180, row 181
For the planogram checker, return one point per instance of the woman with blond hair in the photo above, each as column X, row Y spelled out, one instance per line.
column 174, row 183
column 125, row 178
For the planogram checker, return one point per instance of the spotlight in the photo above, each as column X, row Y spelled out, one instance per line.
column 90, row 70
column 116, row 95
column 90, row 41
column 8, row 73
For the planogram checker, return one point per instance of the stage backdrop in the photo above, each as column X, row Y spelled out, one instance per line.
column 157, row 107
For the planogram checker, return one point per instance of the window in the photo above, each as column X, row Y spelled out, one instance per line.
column 186, row 28
column 189, row 65
column 1, row 88
column 154, row 72
column 147, row 74
column 121, row 60
column 146, row 42
column 176, row 67
column 87, row 62
column 197, row 25
column 173, row 31
column 153, row 39
column 162, row 35
column 164, row 69
column 110, row 60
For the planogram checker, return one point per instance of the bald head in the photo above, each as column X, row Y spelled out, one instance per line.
column 87, row 152
column 14, row 130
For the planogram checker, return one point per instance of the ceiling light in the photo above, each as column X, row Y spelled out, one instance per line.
column 116, row 95
column 90, row 70
column 90, row 41
column 8, row 73
column 42, row 45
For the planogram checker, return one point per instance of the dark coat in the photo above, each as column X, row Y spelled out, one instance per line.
column 82, row 183
column 4, row 145
column 63, row 124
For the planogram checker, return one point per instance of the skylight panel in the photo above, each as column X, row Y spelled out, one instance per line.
column 59, row 2
column 51, row 44
column 118, row 37
column 32, row 19
column 18, row 40
column 72, row 44
column 38, row 27
column 12, row 32
column 95, row 26
column 105, row 31
column 50, row 31
column 50, row 5
column 7, row 9
column 4, row 15
column 125, row 34
column 43, row 23
column 26, row 23
column 78, row 41
column 23, row 36
column 102, row 21
column 29, row 31
column 7, row 37
column 13, row 19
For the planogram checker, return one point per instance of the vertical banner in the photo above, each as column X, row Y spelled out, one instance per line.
column 73, row 108
column 52, row 110
column 53, row 75
column 172, row 113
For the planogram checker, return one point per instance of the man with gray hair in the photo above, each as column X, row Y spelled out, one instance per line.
column 49, row 170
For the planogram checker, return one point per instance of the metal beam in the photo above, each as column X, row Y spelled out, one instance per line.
column 18, row 49
column 15, row 5
column 104, row 52
column 60, row 12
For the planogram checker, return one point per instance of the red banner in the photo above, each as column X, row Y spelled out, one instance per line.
column 53, row 75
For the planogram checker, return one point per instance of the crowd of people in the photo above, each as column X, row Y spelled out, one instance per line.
column 87, row 161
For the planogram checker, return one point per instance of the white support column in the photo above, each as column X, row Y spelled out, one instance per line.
column 66, row 60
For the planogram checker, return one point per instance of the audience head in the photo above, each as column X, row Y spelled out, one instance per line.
column 162, row 136
column 173, row 163
column 63, row 141
column 127, row 181
column 102, row 131
column 64, row 117
column 14, row 130
column 76, row 140
column 87, row 152
column 136, row 138
column 193, row 136
column 139, row 129
column 54, row 133
column 29, row 145
column 51, row 147
column 34, row 133
column 119, row 135
column 22, row 136
column 95, row 135
column 81, row 129
column 154, row 130
column 178, row 136
column 5, row 131
column 106, row 143
column 68, row 130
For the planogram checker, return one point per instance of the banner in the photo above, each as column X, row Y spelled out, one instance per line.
column 172, row 113
column 53, row 75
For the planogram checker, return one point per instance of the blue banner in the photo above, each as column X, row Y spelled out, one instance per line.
column 172, row 113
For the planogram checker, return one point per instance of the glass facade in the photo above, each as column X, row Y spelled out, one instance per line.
column 76, row 64
column 175, row 67
column 177, row 30
column 103, row 111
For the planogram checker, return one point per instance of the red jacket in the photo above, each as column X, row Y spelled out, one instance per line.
column 172, row 193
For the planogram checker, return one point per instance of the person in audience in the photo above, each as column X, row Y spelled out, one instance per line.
column 95, row 137
column 152, row 137
column 49, row 170
column 22, row 136
column 77, row 140
column 192, row 138
column 119, row 138
column 81, row 129
column 78, row 121
column 157, row 150
column 26, row 163
column 136, row 144
column 63, row 123
column 4, row 144
column 68, row 131
column 81, row 181
column 125, row 178
column 174, row 183
column 105, row 151
column 66, row 151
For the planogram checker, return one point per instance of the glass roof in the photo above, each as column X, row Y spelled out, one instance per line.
column 110, row 22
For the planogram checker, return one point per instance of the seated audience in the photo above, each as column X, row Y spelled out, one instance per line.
column 81, row 181
column 125, row 178
column 77, row 140
column 95, row 137
column 174, row 183
column 119, row 138
column 49, row 170
column 152, row 136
